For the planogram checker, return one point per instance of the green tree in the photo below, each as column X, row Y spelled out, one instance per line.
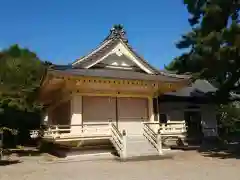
column 212, row 45
column 229, row 121
column 212, row 53
column 21, row 73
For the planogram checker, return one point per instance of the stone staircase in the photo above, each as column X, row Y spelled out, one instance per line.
column 139, row 146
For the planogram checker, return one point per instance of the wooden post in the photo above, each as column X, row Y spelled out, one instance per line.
column 158, row 118
column 110, row 127
column 49, row 131
column 116, row 106
column 159, row 142
column 76, row 107
column 150, row 109
column 124, row 150
column 57, row 134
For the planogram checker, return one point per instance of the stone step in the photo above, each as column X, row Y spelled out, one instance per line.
column 142, row 151
column 136, row 153
column 129, row 155
column 138, row 142
column 135, row 137
column 139, row 146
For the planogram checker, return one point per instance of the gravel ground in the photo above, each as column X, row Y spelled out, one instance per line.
column 183, row 166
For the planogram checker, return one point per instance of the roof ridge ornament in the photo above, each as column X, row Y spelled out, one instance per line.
column 117, row 31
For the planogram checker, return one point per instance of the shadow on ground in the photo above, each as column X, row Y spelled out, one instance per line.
column 215, row 149
column 8, row 162
column 12, row 156
column 23, row 152
column 147, row 158
column 222, row 151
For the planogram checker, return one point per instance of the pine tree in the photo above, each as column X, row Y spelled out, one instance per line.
column 213, row 44
column 20, row 74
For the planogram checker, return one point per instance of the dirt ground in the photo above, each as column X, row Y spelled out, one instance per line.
column 188, row 165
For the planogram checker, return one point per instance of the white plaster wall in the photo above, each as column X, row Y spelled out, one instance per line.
column 122, row 48
column 120, row 60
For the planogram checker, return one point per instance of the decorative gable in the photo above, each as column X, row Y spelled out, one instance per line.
column 117, row 61
column 120, row 57
column 115, row 52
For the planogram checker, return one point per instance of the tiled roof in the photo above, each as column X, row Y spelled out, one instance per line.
column 198, row 88
column 113, row 73
column 116, row 35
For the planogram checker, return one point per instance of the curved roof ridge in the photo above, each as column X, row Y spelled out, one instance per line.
column 116, row 32
column 103, row 44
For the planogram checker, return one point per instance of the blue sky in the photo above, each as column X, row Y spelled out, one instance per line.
column 63, row 30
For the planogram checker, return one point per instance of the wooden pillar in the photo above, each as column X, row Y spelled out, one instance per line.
column 158, row 110
column 76, row 114
column 159, row 142
column 116, row 106
column 124, row 141
column 150, row 109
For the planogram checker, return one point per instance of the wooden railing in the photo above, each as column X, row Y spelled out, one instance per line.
column 77, row 130
column 156, row 132
column 177, row 129
column 168, row 129
column 153, row 137
column 118, row 140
